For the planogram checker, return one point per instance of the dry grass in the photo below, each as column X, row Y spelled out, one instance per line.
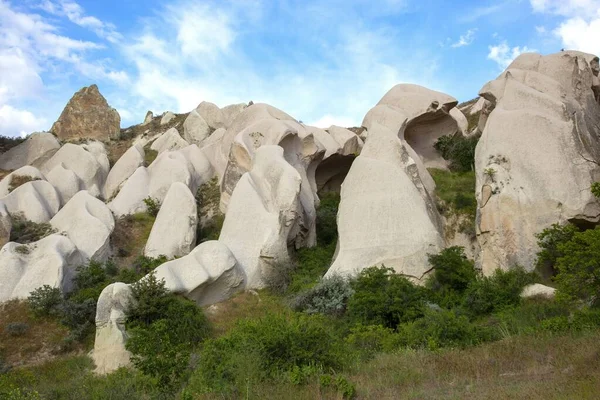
column 19, row 180
column 39, row 343
column 130, row 236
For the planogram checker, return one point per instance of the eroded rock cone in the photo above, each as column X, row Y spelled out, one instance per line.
column 87, row 115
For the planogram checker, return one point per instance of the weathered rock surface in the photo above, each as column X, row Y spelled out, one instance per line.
column 349, row 142
column 195, row 128
column 24, row 268
column 167, row 117
column 123, row 169
column 208, row 275
column 386, row 216
column 174, row 231
column 109, row 352
column 87, row 115
column 212, row 114
column 231, row 112
column 538, row 155
column 89, row 223
column 148, row 118
column 538, row 290
column 65, row 181
column 36, row 201
column 88, row 162
column 5, row 225
column 35, row 150
column 262, row 213
column 26, row 171
column 169, row 141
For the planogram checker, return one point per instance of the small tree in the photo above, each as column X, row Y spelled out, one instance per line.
column 549, row 241
column 45, row 301
column 452, row 274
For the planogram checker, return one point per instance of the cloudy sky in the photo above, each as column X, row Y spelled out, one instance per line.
column 322, row 61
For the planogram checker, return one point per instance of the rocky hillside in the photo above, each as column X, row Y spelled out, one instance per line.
column 222, row 201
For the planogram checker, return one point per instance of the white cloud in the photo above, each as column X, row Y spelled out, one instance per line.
column 567, row 8
column 15, row 122
column 327, row 120
column 540, row 29
column 465, row 39
column 503, row 54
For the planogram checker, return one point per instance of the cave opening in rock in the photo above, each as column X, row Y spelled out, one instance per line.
column 331, row 173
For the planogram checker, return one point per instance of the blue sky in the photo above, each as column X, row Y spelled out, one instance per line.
column 323, row 62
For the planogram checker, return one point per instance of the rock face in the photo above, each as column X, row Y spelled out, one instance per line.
column 195, row 128
column 5, row 225
column 24, row 268
column 262, row 215
column 65, row 181
column 89, row 223
column 538, row 155
column 169, row 141
column 36, row 201
column 166, row 118
column 386, row 215
column 208, row 275
column 174, row 231
column 123, row 169
column 87, row 115
column 109, row 352
column 27, row 171
column 35, row 150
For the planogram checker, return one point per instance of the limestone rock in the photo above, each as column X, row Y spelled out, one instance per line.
column 203, row 171
column 130, row 199
column 212, row 114
column 461, row 120
column 348, row 141
column 386, row 215
column 538, row 290
column 195, row 128
column 263, row 211
column 123, row 169
column 231, row 112
column 109, row 352
column 5, row 225
column 65, row 181
column 89, row 223
column 174, row 231
column 87, row 115
column 24, row 268
column 167, row 117
column 26, row 171
column 87, row 162
column 169, row 141
column 539, row 154
column 36, row 149
column 36, row 201
column 208, row 275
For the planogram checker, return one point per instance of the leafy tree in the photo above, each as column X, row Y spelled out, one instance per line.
column 459, row 150
column 549, row 241
column 452, row 274
column 44, row 301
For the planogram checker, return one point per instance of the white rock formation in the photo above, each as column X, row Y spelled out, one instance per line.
column 34, row 151
column 174, row 231
column 538, row 290
column 538, row 155
column 24, row 268
column 169, row 141
column 5, row 184
column 131, row 160
column 212, row 114
column 88, row 162
column 109, row 352
column 89, row 223
column 262, row 213
column 349, row 142
column 130, row 199
column 166, row 118
column 231, row 112
column 36, row 201
column 386, row 216
column 5, row 225
column 207, row 275
column 195, row 128
column 65, row 181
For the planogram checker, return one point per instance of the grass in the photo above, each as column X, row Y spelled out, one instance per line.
column 130, row 236
column 456, row 192
column 210, row 217
column 149, row 155
column 473, row 120
column 24, row 231
column 19, row 180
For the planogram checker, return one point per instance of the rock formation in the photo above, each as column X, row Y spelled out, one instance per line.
column 87, row 115
column 538, row 155
column 36, row 201
column 169, row 141
column 195, row 128
column 26, row 172
column 122, row 170
column 34, row 151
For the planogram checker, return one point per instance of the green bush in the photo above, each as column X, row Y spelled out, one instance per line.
column 580, row 320
column 458, row 150
column 151, row 298
column 311, row 264
column 579, row 267
column 452, row 274
column 44, row 301
column 549, row 241
column 152, row 206
column 267, row 348
column 497, row 292
column 371, row 339
column 528, row 317
column 25, row 231
column 456, row 190
column 16, row 328
column 144, row 265
column 328, row 297
column 442, row 328
column 327, row 218
column 382, row 297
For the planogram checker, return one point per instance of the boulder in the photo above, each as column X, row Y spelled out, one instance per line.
column 538, row 290
column 5, row 225
column 35, row 150
column 262, row 213
column 87, row 162
column 349, row 142
column 129, row 162
column 148, row 118
column 109, row 352
column 130, row 199
column 461, row 120
column 65, row 181
column 203, row 171
column 212, row 114
column 195, row 128
column 7, row 184
column 208, row 275
column 36, row 201
column 89, row 223
column 386, row 215
column 174, row 231
column 231, row 112
column 24, row 268
column 87, row 115
column 537, row 157
column 169, row 141
column 167, row 117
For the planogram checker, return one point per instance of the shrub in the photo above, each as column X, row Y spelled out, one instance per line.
column 152, row 205
column 25, row 231
column 19, row 180
column 529, row 315
column 382, row 297
column 79, row 316
column 580, row 320
column 549, row 241
column 267, row 348
column 579, row 267
column 458, row 150
column 442, row 328
column 452, row 274
column 327, row 218
column 149, row 155
column 44, row 301
column 150, row 300
column 16, row 328
column 371, row 339
column 456, row 190
column 144, row 265
column 497, row 292
column 328, row 297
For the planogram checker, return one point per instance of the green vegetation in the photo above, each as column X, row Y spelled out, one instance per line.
column 152, row 206
column 473, row 120
column 210, row 217
column 455, row 193
column 130, row 236
column 25, row 231
column 7, row 143
column 458, row 150
column 19, row 180
column 149, row 155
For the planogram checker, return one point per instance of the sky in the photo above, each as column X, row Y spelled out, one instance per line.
column 322, row 61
